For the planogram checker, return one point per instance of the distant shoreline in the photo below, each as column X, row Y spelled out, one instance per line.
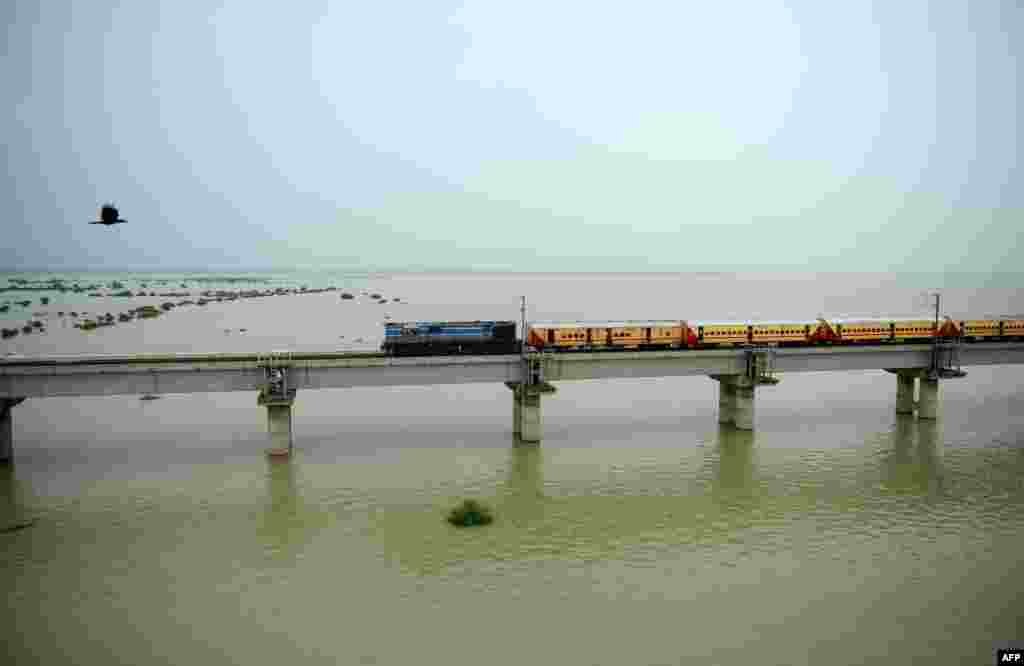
column 216, row 270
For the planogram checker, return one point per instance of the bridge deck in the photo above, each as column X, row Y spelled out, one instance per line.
column 200, row 373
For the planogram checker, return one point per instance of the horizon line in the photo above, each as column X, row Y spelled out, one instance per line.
column 454, row 270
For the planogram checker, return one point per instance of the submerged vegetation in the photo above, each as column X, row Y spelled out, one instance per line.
column 470, row 513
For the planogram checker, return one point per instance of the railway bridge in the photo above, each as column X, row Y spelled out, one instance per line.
column 278, row 376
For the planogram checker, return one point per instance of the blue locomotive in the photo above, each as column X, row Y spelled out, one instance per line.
column 450, row 337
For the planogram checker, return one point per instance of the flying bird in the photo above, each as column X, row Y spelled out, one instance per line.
column 108, row 216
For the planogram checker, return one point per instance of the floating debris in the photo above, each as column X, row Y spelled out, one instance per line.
column 149, row 396
column 17, row 527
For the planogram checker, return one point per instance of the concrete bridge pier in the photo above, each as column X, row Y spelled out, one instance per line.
column 743, row 407
column 526, row 421
column 905, row 392
column 736, row 401
column 727, row 400
column 927, row 393
column 279, row 422
column 928, row 399
column 7, row 429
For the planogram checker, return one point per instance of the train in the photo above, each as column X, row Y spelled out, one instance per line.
column 499, row 337
column 426, row 338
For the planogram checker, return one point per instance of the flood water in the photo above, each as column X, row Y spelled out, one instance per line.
column 638, row 532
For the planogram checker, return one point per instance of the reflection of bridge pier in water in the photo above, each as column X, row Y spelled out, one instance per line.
column 286, row 524
column 522, row 497
column 734, row 471
column 913, row 462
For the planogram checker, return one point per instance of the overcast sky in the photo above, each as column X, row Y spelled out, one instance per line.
column 526, row 136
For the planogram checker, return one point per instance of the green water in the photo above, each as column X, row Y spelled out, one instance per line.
column 638, row 532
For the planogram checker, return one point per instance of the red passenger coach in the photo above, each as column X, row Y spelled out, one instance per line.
column 823, row 333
